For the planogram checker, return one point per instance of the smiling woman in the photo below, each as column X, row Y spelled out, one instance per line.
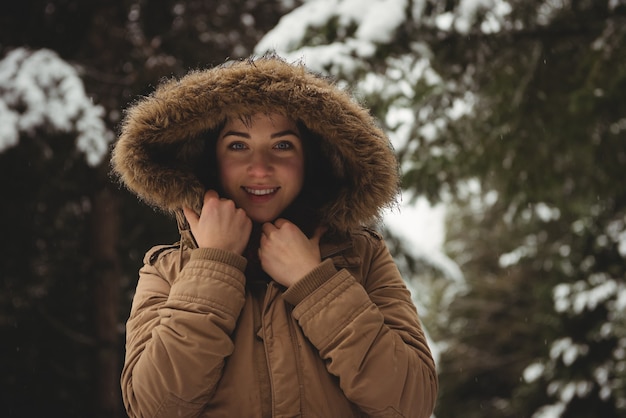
column 280, row 299
column 261, row 164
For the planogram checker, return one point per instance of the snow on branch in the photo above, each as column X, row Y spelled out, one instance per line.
column 358, row 27
column 41, row 92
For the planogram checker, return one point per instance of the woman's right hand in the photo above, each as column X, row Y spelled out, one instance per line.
column 220, row 224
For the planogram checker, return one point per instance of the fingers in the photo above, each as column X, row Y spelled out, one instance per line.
column 281, row 222
column 286, row 253
column 220, row 224
column 319, row 233
column 210, row 194
column 278, row 223
column 268, row 228
column 191, row 215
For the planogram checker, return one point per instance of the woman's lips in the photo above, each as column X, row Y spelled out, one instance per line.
column 261, row 191
column 260, row 194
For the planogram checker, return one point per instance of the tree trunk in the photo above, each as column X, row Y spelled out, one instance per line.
column 106, row 273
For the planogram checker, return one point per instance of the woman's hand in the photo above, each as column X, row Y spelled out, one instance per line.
column 286, row 254
column 220, row 224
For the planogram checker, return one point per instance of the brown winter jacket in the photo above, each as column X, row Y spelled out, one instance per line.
column 205, row 340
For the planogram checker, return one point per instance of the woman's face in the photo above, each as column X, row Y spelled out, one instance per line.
column 261, row 164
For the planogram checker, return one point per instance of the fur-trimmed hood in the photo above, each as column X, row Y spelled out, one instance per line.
column 160, row 145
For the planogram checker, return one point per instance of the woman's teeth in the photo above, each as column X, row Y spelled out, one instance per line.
column 260, row 192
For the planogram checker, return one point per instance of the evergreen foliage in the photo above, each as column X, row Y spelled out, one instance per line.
column 514, row 114
column 73, row 241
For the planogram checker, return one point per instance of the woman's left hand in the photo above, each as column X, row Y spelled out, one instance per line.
column 286, row 253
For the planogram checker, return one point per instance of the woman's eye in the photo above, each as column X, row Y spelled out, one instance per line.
column 237, row 146
column 284, row 145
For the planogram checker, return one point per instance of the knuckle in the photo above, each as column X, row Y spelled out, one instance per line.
column 230, row 204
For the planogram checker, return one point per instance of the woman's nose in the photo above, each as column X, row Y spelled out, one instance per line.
column 260, row 164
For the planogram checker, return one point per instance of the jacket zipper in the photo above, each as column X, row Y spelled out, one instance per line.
column 270, row 296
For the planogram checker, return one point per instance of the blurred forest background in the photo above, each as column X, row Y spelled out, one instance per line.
column 510, row 113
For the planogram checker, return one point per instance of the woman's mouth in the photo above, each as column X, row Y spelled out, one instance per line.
column 261, row 191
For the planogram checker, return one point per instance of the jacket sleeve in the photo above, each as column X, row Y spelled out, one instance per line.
column 178, row 333
column 369, row 334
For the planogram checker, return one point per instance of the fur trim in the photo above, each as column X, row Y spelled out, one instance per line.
column 160, row 141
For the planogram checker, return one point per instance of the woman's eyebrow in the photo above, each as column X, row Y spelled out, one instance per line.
column 236, row 133
column 286, row 132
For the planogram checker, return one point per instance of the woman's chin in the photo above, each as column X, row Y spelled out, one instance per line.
column 261, row 219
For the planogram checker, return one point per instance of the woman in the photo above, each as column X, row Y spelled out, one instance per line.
column 279, row 300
